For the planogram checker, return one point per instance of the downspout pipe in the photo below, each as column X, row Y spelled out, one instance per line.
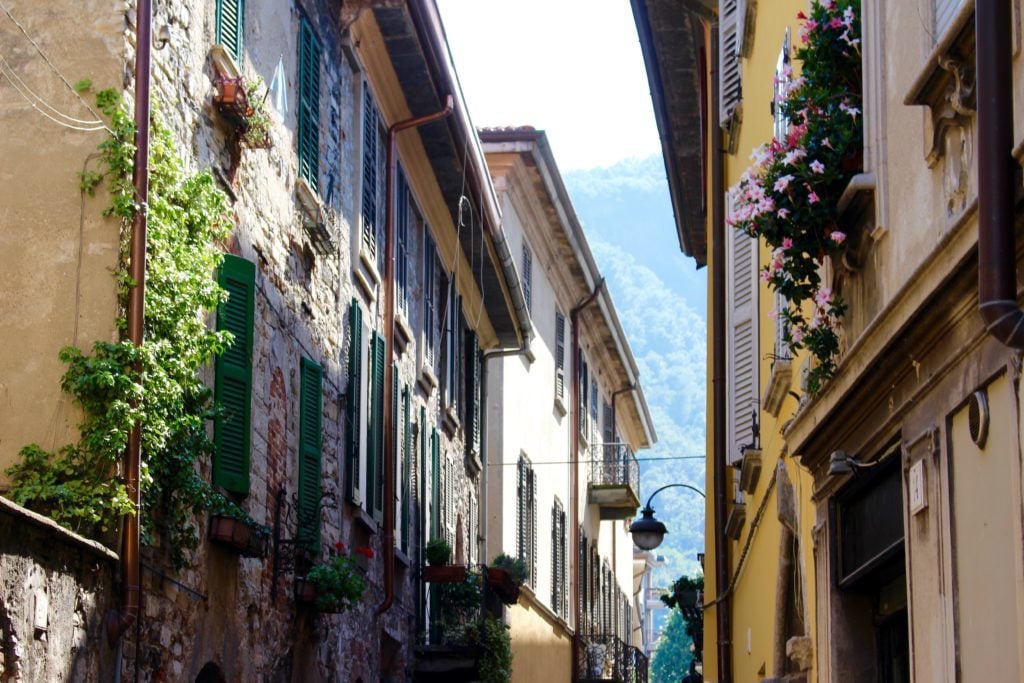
column 574, row 428
column 615, row 395
column 997, row 253
column 718, row 374
column 118, row 622
column 388, row 538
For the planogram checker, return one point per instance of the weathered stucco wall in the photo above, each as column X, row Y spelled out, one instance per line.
column 56, row 250
column 55, row 588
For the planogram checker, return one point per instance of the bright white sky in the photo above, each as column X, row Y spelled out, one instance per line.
column 570, row 67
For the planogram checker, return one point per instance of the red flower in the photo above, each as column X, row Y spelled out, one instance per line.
column 801, row 15
column 364, row 551
column 339, row 546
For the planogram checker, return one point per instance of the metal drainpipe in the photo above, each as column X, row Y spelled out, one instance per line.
column 574, row 428
column 388, row 537
column 718, row 376
column 117, row 622
column 997, row 253
column 615, row 396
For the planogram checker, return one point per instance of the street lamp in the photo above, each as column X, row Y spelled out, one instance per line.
column 647, row 532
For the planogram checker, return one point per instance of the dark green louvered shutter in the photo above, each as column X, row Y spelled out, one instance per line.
column 369, row 204
column 310, row 432
column 395, row 451
column 435, row 484
column 233, row 382
column 309, row 106
column 473, row 381
column 521, row 509
column 406, row 457
column 353, row 410
column 559, row 355
column 375, row 461
column 231, row 27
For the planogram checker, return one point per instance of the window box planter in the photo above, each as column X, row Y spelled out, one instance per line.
column 503, row 585
column 447, row 573
column 239, row 536
column 231, row 100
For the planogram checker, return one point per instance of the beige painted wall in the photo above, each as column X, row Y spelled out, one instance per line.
column 56, row 250
column 541, row 650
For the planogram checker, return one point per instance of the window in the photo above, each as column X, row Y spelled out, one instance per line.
column 559, row 356
column 353, row 409
column 528, row 276
column 231, row 27
column 435, row 484
column 559, row 573
column 453, row 350
column 783, row 78
column 584, row 384
column 582, row 574
column 730, row 88
column 405, row 469
column 233, row 376
column 403, row 217
column 309, row 106
column 373, row 179
column 430, row 289
column 742, row 330
column 472, row 404
column 310, row 421
column 526, row 512
column 375, row 445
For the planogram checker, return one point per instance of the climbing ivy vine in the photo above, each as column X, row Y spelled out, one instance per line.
column 77, row 484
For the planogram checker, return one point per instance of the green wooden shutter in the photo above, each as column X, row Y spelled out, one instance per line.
column 310, row 434
column 473, row 381
column 559, row 355
column 406, row 457
column 309, row 106
column 233, row 381
column 353, row 410
column 435, row 484
column 231, row 27
column 375, row 459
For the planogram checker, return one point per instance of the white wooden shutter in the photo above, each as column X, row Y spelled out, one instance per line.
column 730, row 92
column 742, row 356
column 746, row 13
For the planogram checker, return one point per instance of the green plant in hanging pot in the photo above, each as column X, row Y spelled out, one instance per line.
column 338, row 583
column 789, row 196
column 255, row 131
column 438, row 552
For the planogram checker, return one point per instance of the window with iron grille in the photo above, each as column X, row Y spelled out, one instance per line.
column 526, row 513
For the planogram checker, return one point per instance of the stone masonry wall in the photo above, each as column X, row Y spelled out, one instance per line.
column 55, row 588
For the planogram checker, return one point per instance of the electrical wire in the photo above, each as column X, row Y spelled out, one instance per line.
column 49, row 63
column 12, row 75
column 4, row 72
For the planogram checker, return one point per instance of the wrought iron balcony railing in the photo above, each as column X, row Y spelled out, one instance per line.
column 607, row 658
column 614, row 480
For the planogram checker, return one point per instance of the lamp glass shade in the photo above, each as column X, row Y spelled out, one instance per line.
column 647, row 532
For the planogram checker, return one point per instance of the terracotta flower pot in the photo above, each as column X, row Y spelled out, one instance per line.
column 449, row 573
column 230, row 532
column 231, row 100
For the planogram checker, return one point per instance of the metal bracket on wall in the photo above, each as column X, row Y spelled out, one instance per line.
column 290, row 551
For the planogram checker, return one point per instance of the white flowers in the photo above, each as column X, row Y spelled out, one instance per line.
column 817, row 166
column 782, row 183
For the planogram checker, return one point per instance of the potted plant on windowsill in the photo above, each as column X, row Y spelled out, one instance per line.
column 237, row 101
column 233, row 529
column 505, row 575
column 334, row 586
column 438, row 569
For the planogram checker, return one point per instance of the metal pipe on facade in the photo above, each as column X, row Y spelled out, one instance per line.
column 388, row 538
column 117, row 622
column 615, row 395
column 718, row 374
column 997, row 169
column 574, row 428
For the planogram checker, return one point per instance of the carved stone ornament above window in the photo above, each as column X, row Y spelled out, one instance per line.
column 946, row 85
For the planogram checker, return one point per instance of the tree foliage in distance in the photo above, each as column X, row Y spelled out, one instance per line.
column 672, row 658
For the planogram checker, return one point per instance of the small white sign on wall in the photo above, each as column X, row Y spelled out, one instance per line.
column 918, row 498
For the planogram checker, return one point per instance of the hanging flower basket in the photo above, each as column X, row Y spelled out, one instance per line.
column 230, row 532
column 446, row 573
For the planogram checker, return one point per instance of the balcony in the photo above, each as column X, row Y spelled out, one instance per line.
column 452, row 635
column 614, row 480
column 606, row 658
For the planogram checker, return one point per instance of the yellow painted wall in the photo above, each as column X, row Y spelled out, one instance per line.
column 541, row 647
column 56, row 250
column 753, row 601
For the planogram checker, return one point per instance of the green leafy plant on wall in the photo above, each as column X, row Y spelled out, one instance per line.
column 76, row 485
column 339, row 582
column 789, row 196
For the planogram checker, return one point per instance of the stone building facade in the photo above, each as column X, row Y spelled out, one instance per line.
column 306, row 256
